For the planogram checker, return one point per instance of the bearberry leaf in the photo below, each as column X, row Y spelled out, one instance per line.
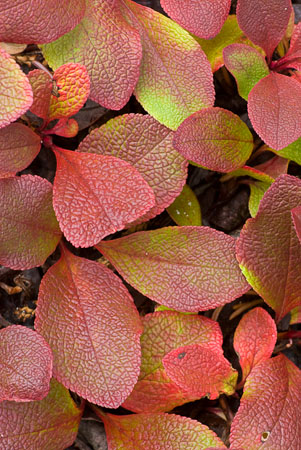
column 41, row 85
column 146, row 144
column 15, row 90
column 46, row 424
column 296, row 315
column 29, row 231
column 157, row 431
column 164, row 331
column 247, row 65
column 184, row 268
column 214, row 138
column 272, row 398
column 257, row 191
column 175, row 76
column 95, row 195
column 254, row 339
column 265, row 22
column 203, row 18
column 30, row 22
column 108, row 46
column 185, row 210
column 19, row 145
column 25, row 364
column 269, row 244
column 292, row 151
column 275, row 110
column 88, row 318
column 65, row 128
column 296, row 216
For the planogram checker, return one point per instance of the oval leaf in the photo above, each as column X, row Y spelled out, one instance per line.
column 269, row 244
column 146, row 144
column 200, row 371
column 264, row 22
column 275, row 110
column 108, row 46
column 204, row 18
column 185, row 210
column 25, row 364
column 95, row 195
column 291, row 152
column 88, row 318
column 15, row 90
column 184, row 268
column 48, row 424
column 272, row 395
column 41, row 85
column 19, row 146
column 214, row 138
column 254, row 339
column 31, row 22
column 26, row 211
column 175, row 75
column 65, row 127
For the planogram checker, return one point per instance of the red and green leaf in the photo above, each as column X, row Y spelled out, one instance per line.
column 292, row 59
column 65, row 127
column 295, row 315
column 185, row 210
column 95, row 195
column 88, row 318
column 25, row 364
column 254, row 339
column 184, row 268
column 144, row 143
column 19, row 145
column 291, row 152
column 29, row 231
column 296, row 216
column 269, row 412
column 275, row 110
column 46, row 424
column 41, row 85
column 268, row 244
column 214, row 138
column 203, row 18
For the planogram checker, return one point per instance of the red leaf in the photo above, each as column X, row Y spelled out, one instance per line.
column 15, row 90
column 269, row 412
column 214, row 138
column 33, row 22
column 146, row 144
column 92, row 327
column 157, row 431
column 19, row 145
column 108, row 46
column 184, row 268
column 51, row 423
column 95, row 195
column 264, row 22
column 292, row 59
column 26, row 210
column 296, row 216
column 275, row 110
column 163, row 332
column 25, row 364
column 254, row 339
column 41, row 85
column 200, row 371
column 203, row 18
column 65, row 128
column 268, row 244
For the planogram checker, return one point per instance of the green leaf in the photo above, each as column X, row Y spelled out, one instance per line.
column 185, row 210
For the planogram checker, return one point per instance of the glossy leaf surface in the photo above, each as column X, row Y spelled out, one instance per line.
column 147, row 145
column 185, row 268
column 247, row 65
column 200, row 371
column 264, row 22
column 26, row 211
column 268, row 244
column 254, row 339
column 19, row 145
column 25, row 364
column 15, row 90
column 203, row 18
column 95, row 195
column 48, row 424
column 163, row 332
column 88, row 318
column 108, row 46
column 31, row 22
column 175, row 76
column 214, row 138
column 296, row 216
column 158, row 431
column 275, row 110
column 185, row 210
column 269, row 412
